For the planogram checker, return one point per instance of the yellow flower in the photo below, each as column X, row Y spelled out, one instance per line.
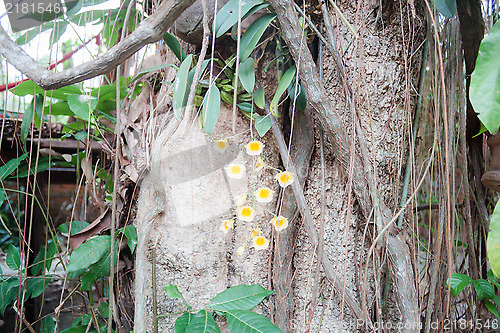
column 235, row 171
column 254, row 148
column 255, row 232
column 264, row 195
column 240, row 200
column 260, row 242
column 245, row 213
column 226, row 225
column 259, row 165
column 279, row 222
column 220, row 145
column 241, row 249
column 284, row 178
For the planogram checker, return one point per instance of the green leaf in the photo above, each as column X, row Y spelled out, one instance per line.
column 447, row 8
column 76, row 329
column 58, row 109
column 202, row 322
column 485, row 82
column 484, row 289
column 88, row 253
column 211, row 108
column 104, row 310
column 181, row 89
column 182, row 322
column 282, row 86
column 8, row 292
column 44, row 258
column 228, row 15
column 491, row 277
column 252, row 36
column 173, row 291
column 36, row 105
column 492, row 307
column 47, row 325
column 11, row 166
column 99, row 269
column 493, row 242
column 13, row 259
column 32, row 33
column 36, row 286
column 262, row 125
column 241, row 297
column 247, row 74
column 30, row 88
column 243, row 321
column 76, row 227
column 457, row 283
column 82, row 105
column 301, row 98
column 174, row 45
column 259, row 98
column 131, row 234
column 191, row 72
column 58, row 29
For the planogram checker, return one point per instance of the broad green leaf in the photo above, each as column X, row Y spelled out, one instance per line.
column 36, row 105
column 174, row 45
column 36, row 286
column 211, row 108
column 247, row 74
column 492, row 307
column 82, row 105
column 485, row 83
column 88, row 253
column 44, row 258
column 32, row 33
column 76, row 329
column 30, row 88
column 202, row 322
column 491, row 277
column 11, row 166
column 88, row 17
column 458, row 282
column 173, row 291
column 43, row 164
column 246, row 107
column 252, row 36
column 259, row 98
column 76, row 227
column 282, row 86
column 191, row 72
column 99, row 269
column 131, row 234
column 241, row 297
column 58, row 109
column 47, row 325
column 484, row 289
column 493, row 242
column 262, row 125
column 228, row 15
column 104, row 310
column 13, row 259
column 447, row 8
column 243, row 321
column 81, row 136
column 181, row 89
column 8, row 292
column 58, row 29
column 182, row 322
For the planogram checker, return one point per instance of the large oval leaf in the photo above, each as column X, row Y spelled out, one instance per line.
column 485, row 82
column 458, row 282
column 484, row 289
column 247, row 74
column 242, row 321
column 181, row 87
column 82, row 105
column 493, row 242
column 228, row 15
column 202, row 322
column 252, row 36
column 88, row 253
column 13, row 259
column 211, row 108
column 174, row 45
column 282, row 86
column 182, row 322
column 100, row 269
column 241, row 297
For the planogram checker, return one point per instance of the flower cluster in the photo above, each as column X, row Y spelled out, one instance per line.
column 244, row 202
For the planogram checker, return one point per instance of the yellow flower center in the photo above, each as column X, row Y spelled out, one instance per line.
column 221, row 144
column 254, row 146
column 246, row 211
column 264, row 193
column 236, row 169
column 225, row 225
column 280, row 222
column 260, row 241
column 284, row 177
column 255, row 233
